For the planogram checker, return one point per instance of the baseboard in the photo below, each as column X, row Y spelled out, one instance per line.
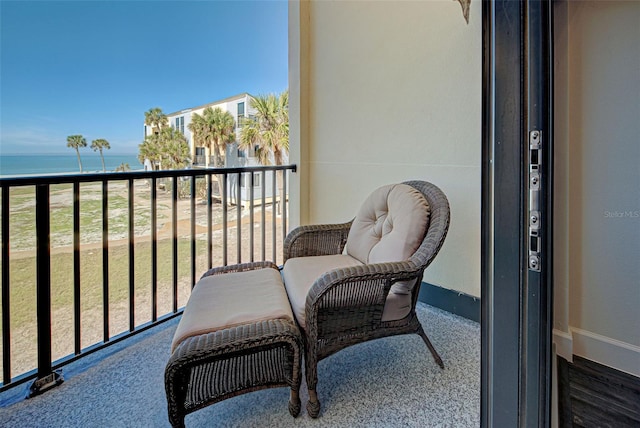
column 610, row 352
column 457, row 303
column 564, row 344
column 604, row 350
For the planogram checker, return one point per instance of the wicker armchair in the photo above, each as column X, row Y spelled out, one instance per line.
column 346, row 304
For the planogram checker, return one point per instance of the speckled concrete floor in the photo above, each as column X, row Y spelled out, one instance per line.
column 391, row 382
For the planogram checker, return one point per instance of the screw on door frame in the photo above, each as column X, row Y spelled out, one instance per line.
column 534, row 262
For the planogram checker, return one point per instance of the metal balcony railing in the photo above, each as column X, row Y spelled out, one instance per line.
column 199, row 160
column 154, row 234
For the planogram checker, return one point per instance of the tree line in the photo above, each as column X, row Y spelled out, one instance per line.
column 77, row 142
column 267, row 132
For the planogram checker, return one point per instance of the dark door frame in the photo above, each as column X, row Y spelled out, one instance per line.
column 516, row 300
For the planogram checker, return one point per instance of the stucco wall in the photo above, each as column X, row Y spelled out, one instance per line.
column 597, row 289
column 385, row 92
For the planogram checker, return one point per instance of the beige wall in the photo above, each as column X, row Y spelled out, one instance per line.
column 385, row 92
column 597, row 242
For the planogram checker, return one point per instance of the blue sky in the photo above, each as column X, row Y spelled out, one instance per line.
column 94, row 67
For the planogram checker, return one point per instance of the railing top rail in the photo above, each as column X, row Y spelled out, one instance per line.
column 114, row 176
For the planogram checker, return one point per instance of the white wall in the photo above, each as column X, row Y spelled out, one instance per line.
column 597, row 242
column 384, row 92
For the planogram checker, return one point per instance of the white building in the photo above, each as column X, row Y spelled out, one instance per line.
column 240, row 107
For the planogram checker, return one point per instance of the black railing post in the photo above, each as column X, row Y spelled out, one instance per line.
column 239, row 218
column 223, row 190
column 105, row 261
column 274, row 209
column 46, row 377
column 284, row 205
column 209, row 221
column 132, row 275
column 154, row 250
column 193, row 230
column 77, row 313
column 251, row 207
column 263, row 230
column 174, row 240
column 6, row 318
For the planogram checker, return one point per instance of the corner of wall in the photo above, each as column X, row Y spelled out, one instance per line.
column 563, row 342
column 610, row 352
column 298, row 110
column 613, row 353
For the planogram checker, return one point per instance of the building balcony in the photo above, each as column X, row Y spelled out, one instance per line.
column 199, row 160
column 96, row 269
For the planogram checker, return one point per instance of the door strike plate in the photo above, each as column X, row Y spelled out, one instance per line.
column 535, row 183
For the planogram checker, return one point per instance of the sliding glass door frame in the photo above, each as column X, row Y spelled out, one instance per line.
column 517, row 182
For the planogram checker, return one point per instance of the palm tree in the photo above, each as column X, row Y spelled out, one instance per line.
column 75, row 142
column 174, row 148
column 100, row 144
column 123, row 167
column 156, row 119
column 214, row 129
column 150, row 150
column 268, row 131
column 168, row 148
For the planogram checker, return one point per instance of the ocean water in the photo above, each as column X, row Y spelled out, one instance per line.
column 38, row 164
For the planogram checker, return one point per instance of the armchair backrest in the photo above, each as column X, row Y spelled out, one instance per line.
column 390, row 225
column 439, row 217
column 398, row 222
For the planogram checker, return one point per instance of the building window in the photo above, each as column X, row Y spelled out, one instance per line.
column 179, row 124
column 240, row 116
column 256, row 179
column 242, row 153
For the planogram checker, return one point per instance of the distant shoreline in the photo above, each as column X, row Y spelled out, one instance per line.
column 16, row 165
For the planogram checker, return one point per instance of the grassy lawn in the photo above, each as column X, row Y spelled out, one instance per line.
column 23, row 280
column 22, row 263
column 22, row 226
column 23, row 214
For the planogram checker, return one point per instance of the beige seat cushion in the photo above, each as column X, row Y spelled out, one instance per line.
column 300, row 273
column 389, row 227
column 218, row 302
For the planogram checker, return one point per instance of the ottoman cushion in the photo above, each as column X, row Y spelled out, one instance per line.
column 219, row 302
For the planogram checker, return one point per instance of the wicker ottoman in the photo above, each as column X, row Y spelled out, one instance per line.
column 237, row 334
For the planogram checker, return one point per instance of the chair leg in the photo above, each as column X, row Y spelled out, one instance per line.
column 294, row 402
column 435, row 354
column 175, row 386
column 313, row 405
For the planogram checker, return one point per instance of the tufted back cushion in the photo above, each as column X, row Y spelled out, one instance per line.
column 390, row 226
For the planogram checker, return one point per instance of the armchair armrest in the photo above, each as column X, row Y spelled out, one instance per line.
column 316, row 240
column 345, row 299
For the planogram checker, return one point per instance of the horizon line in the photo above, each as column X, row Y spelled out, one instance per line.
column 104, row 153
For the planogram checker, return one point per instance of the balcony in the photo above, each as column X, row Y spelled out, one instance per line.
column 110, row 264
column 199, row 160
